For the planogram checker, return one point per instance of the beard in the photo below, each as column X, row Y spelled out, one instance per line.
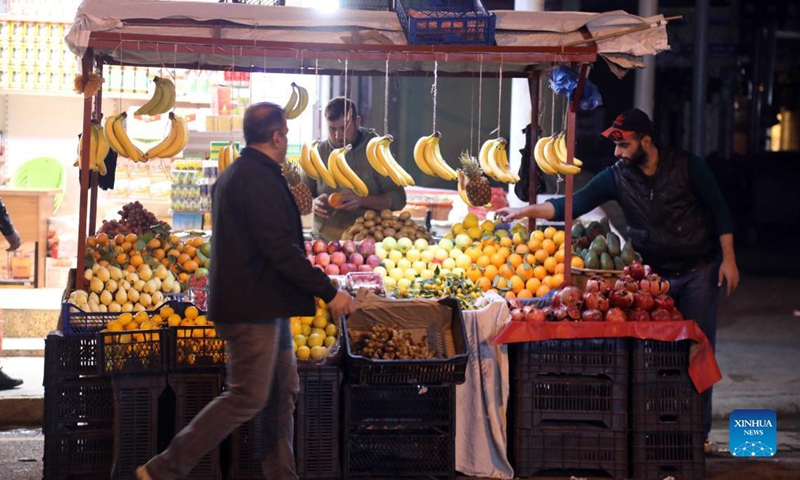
column 637, row 158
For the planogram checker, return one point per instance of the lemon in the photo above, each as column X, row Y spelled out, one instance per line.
column 307, row 320
column 319, row 331
column 487, row 226
column 470, row 221
column 329, row 341
column 191, row 312
column 320, row 322
column 331, row 330
column 318, row 352
column 297, row 329
column 315, row 340
column 174, row 320
column 201, row 321
column 300, row 340
column 306, row 330
column 303, row 352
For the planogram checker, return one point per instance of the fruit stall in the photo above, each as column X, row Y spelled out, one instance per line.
column 404, row 370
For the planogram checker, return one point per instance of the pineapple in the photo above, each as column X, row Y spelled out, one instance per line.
column 477, row 187
column 300, row 191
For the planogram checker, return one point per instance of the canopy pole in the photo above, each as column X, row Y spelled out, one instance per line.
column 533, row 89
column 573, row 110
column 98, row 115
column 86, row 65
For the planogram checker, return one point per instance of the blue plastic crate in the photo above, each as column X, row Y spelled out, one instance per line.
column 446, row 22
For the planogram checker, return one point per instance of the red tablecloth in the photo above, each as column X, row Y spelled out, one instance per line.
column 703, row 368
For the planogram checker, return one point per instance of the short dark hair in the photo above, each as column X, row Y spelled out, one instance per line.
column 261, row 121
column 335, row 108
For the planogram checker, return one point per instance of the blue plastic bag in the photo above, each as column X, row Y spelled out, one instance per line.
column 564, row 80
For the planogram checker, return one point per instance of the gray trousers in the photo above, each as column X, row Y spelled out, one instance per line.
column 261, row 374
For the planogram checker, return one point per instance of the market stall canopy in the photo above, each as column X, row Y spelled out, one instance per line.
column 225, row 36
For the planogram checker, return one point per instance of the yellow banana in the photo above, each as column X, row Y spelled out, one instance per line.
column 561, row 151
column 119, row 133
column 419, row 156
column 100, row 148
column 158, row 150
column 538, row 155
column 181, row 141
column 492, row 160
column 501, row 160
column 302, row 103
column 333, row 166
column 292, row 103
column 149, row 107
column 386, row 157
column 222, row 161
column 434, row 160
column 483, row 159
column 359, row 187
column 167, row 98
column 305, row 162
column 372, row 156
column 316, row 161
column 112, row 139
column 461, row 192
column 551, row 157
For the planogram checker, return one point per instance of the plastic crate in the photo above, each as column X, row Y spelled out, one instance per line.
column 399, row 407
column 420, row 453
column 245, row 448
column 84, row 454
column 192, row 393
column 191, row 349
column 365, row 371
column 69, row 356
column 653, row 360
column 120, row 353
column 384, row 5
column 570, row 401
column 316, row 423
column 656, row 455
column 136, row 426
column 569, row 452
column 606, row 357
column 446, row 22
column 666, row 405
column 78, row 402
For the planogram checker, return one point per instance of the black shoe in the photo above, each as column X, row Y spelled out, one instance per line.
column 7, row 382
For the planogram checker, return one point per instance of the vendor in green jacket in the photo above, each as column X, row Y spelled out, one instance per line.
column 344, row 127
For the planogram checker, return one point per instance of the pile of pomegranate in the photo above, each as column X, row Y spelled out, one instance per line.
column 639, row 296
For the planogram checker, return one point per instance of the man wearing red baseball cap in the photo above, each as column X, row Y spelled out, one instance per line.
column 677, row 218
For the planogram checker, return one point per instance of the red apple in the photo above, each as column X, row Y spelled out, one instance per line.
column 365, row 268
column 338, row 258
column 373, row 261
column 349, row 247
column 311, row 258
column 319, row 246
column 332, row 269
column 357, row 259
column 323, row 259
column 347, row 268
column 307, row 246
column 334, row 246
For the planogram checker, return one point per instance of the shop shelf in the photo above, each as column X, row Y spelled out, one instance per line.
column 84, row 454
column 365, row 371
column 446, row 22
column 653, row 360
column 666, row 405
column 607, row 357
column 657, row 455
column 132, row 352
column 570, row 401
column 136, row 422
column 584, row 452
column 78, row 402
column 192, row 393
column 420, row 453
column 69, row 356
column 399, row 407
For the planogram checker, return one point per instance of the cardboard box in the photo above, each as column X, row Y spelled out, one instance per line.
column 221, row 100
column 18, row 268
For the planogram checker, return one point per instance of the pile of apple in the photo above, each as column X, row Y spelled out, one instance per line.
column 405, row 260
column 341, row 258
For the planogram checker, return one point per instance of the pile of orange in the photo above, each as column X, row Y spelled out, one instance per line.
column 129, row 252
column 516, row 267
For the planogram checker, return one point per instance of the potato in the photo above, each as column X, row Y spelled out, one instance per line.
column 369, row 223
column 370, row 215
column 405, row 216
column 387, row 215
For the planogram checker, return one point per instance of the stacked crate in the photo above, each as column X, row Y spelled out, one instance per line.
column 570, row 405
column 78, row 410
column 666, row 413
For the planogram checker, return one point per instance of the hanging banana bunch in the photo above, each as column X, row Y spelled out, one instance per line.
column 98, row 149
column 175, row 142
column 163, row 98
column 119, row 140
column 311, row 164
column 344, row 175
column 550, row 153
column 493, row 159
column 226, row 156
column 428, row 158
column 379, row 155
column 298, row 101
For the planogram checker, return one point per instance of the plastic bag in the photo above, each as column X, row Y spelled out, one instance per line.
column 564, row 81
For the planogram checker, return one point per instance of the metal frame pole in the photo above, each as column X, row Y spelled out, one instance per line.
column 533, row 87
column 573, row 110
column 98, row 116
column 86, row 65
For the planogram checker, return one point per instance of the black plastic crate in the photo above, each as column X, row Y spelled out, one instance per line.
column 384, row 5
column 666, row 405
column 316, row 423
column 136, row 425
column 420, row 453
column 570, row 401
column 446, row 22
column 606, row 357
column 192, row 349
column 77, row 402
column 653, row 360
column 245, row 448
column 570, row 452
column 83, row 453
column 656, row 455
column 69, row 356
column 192, row 393
column 366, row 371
column 399, row 407
column 132, row 352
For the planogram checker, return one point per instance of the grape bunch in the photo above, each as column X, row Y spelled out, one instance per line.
column 134, row 218
column 388, row 343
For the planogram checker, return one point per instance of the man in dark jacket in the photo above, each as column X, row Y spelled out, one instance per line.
column 12, row 237
column 677, row 219
column 260, row 276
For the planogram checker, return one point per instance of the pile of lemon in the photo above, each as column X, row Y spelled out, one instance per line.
column 313, row 337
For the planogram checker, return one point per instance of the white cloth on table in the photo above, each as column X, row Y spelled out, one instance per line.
column 481, row 401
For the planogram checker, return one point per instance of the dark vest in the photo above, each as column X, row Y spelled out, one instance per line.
column 667, row 224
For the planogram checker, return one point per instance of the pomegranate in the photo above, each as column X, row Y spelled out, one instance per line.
column 638, row 315
column 514, row 303
column 635, row 270
column 626, row 283
column 654, row 284
column 592, row 315
column 644, row 300
column 556, row 301
column 573, row 313
column 665, row 301
column 535, row 315
column 661, row 315
column 621, row 299
column 560, row 313
column 616, row 315
column 598, row 284
column 517, row 315
column 676, row 315
column 571, row 297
